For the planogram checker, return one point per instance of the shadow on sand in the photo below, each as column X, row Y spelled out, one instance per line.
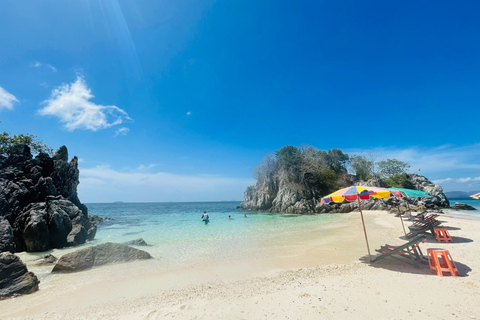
column 395, row 265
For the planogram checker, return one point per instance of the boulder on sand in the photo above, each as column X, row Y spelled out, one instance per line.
column 14, row 276
column 98, row 255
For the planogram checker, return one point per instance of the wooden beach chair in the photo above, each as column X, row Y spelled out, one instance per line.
column 422, row 227
column 424, row 224
column 409, row 252
column 425, row 216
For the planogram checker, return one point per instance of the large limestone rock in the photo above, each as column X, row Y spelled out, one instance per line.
column 279, row 194
column 38, row 199
column 14, row 276
column 98, row 255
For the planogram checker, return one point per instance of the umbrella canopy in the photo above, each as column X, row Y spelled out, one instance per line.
column 361, row 193
column 412, row 193
column 364, row 193
column 475, row 196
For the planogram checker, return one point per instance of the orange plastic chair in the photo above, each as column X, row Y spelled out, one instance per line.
column 442, row 234
column 441, row 261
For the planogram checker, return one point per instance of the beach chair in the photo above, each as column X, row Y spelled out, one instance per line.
column 417, row 230
column 424, row 216
column 409, row 252
column 429, row 223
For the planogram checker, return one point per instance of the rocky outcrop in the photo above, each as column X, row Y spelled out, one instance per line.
column 462, row 206
column 278, row 194
column 437, row 199
column 98, row 255
column 7, row 244
column 39, row 202
column 136, row 242
column 14, row 276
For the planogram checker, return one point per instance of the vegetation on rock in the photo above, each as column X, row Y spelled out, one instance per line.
column 295, row 179
column 8, row 143
column 328, row 170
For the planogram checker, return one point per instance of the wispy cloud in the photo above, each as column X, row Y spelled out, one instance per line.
column 453, row 167
column 189, row 113
column 6, row 99
column 38, row 64
column 71, row 103
column 122, row 131
column 143, row 185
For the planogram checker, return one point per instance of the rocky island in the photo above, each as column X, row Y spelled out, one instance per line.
column 294, row 180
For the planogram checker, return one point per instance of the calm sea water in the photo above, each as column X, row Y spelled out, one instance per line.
column 177, row 237
column 176, row 233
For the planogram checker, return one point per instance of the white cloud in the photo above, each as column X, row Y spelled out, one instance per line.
column 52, row 67
column 104, row 184
column 122, row 131
column 189, row 113
column 70, row 103
column 6, row 99
column 143, row 167
column 38, row 64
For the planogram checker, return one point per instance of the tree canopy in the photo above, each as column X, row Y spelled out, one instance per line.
column 7, row 143
column 327, row 170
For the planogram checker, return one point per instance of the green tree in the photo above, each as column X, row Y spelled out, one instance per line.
column 267, row 168
column 363, row 168
column 399, row 180
column 337, row 160
column 289, row 158
column 390, row 167
column 7, row 143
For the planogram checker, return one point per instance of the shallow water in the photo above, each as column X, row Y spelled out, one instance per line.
column 177, row 236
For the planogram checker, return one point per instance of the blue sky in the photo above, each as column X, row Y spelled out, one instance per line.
column 180, row 100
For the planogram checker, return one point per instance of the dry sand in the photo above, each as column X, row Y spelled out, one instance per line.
column 314, row 276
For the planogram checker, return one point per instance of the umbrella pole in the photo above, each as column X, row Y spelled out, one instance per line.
column 364, row 230
column 401, row 219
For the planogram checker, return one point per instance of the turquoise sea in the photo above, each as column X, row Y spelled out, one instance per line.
column 471, row 202
column 176, row 233
column 178, row 238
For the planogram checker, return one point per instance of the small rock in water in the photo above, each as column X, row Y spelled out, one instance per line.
column 137, row 242
column 462, row 206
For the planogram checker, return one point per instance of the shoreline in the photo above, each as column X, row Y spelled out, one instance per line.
column 308, row 275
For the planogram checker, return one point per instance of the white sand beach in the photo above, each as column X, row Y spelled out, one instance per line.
column 312, row 275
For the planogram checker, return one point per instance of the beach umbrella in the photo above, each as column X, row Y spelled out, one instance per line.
column 409, row 193
column 412, row 193
column 357, row 193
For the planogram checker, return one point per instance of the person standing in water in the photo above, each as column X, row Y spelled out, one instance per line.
column 205, row 217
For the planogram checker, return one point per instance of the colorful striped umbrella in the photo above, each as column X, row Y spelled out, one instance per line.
column 475, row 196
column 361, row 193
